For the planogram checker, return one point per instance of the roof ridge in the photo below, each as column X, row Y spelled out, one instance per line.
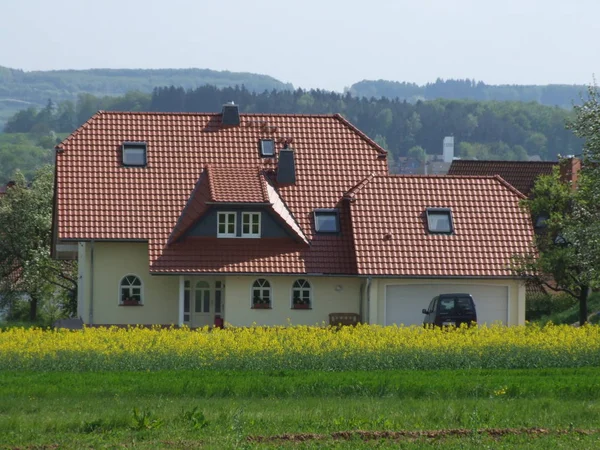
column 502, row 161
column 366, row 138
column 262, row 179
column 352, row 192
column 213, row 113
column 84, row 125
column 433, row 176
column 211, row 186
column 509, row 186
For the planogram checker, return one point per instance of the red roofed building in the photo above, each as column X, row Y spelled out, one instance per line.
column 257, row 218
column 521, row 174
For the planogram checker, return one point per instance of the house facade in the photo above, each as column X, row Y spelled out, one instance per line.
column 195, row 219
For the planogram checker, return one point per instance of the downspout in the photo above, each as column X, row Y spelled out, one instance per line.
column 92, row 283
column 368, row 295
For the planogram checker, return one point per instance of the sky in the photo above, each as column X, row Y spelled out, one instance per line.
column 327, row 44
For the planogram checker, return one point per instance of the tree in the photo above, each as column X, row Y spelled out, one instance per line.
column 558, row 263
column 417, row 152
column 584, row 231
column 25, row 239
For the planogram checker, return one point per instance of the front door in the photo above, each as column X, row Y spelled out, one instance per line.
column 204, row 300
column 202, row 305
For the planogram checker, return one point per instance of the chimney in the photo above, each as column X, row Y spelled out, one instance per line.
column 230, row 115
column 448, row 149
column 286, row 167
column 569, row 170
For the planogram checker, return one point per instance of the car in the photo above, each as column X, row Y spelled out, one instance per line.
column 450, row 310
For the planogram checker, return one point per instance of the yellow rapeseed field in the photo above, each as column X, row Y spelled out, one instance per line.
column 298, row 347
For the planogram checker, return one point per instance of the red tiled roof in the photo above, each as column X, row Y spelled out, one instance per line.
column 97, row 198
column 391, row 237
column 521, row 174
column 241, row 184
column 251, row 186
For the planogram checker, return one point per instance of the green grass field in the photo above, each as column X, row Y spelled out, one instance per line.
column 542, row 408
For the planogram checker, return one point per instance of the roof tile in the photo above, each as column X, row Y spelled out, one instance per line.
column 489, row 225
column 520, row 174
column 100, row 199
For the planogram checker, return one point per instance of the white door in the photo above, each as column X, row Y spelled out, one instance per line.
column 202, row 310
column 404, row 303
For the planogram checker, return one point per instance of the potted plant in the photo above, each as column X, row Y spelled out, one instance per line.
column 300, row 303
column 260, row 303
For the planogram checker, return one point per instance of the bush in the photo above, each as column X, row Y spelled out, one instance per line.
column 540, row 305
column 571, row 315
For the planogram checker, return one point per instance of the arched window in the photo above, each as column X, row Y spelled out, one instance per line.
column 301, row 295
column 261, row 294
column 131, row 290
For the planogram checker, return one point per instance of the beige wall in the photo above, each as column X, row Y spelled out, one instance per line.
column 326, row 299
column 112, row 261
column 516, row 288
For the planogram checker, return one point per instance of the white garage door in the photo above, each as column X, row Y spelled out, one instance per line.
column 403, row 303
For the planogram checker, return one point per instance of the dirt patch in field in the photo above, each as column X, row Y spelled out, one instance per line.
column 403, row 434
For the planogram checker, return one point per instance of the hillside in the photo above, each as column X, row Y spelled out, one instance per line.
column 482, row 129
column 20, row 89
column 550, row 95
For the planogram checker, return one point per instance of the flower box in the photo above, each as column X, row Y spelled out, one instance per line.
column 261, row 306
column 130, row 302
column 301, row 306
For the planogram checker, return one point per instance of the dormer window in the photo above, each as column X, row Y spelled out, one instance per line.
column 251, row 225
column 327, row 221
column 267, row 148
column 439, row 221
column 134, row 154
column 226, row 224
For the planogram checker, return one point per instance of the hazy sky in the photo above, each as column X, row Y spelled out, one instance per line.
column 328, row 44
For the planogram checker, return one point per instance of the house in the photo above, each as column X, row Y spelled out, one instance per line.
column 189, row 219
column 521, row 174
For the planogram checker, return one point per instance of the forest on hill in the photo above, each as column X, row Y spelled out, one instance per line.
column 551, row 95
column 20, row 89
column 483, row 130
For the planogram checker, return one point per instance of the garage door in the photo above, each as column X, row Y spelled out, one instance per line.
column 403, row 303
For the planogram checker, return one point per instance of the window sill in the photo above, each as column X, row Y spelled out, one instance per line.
column 301, row 308
column 261, row 307
column 132, row 304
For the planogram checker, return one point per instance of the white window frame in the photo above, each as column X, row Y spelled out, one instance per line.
column 261, row 287
column 121, row 286
column 250, row 223
column 307, row 286
column 203, row 287
column 227, row 223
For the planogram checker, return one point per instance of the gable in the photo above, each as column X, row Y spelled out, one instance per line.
column 270, row 227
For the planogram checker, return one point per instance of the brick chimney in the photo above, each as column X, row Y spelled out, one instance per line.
column 569, row 170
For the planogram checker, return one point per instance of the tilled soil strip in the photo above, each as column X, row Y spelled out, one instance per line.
column 372, row 435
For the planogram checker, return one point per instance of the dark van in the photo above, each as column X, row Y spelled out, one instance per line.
column 450, row 309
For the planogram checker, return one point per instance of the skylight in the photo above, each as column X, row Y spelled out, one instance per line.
column 134, row 153
column 267, row 148
column 327, row 221
column 439, row 220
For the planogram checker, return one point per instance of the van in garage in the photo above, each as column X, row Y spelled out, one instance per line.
column 450, row 310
